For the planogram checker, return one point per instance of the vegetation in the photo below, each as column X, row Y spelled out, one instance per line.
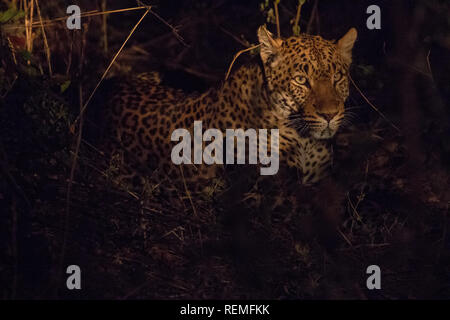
column 386, row 204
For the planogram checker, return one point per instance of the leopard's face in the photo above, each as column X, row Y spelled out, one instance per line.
column 308, row 80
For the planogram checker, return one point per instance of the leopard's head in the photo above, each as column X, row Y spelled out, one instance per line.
column 307, row 78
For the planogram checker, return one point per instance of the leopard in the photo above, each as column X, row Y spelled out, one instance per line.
column 299, row 86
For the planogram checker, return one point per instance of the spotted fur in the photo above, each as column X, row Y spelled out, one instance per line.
column 300, row 88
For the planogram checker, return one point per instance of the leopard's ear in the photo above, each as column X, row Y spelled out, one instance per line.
column 270, row 47
column 346, row 43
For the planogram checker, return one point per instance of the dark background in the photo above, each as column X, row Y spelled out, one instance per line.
column 387, row 203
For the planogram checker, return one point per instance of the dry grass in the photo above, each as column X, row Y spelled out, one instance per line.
column 28, row 7
column 44, row 35
column 140, row 245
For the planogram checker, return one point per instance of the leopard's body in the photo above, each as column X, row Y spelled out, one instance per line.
column 300, row 89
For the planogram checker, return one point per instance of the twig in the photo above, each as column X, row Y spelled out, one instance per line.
column 311, row 18
column 47, row 48
column 98, row 13
column 69, row 60
column 354, row 208
column 237, row 55
column 369, row 245
column 411, row 67
column 174, row 30
column 373, row 106
column 345, row 237
column 104, row 27
column 91, row 13
column 12, row 50
column 107, row 69
column 29, row 12
column 277, row 17
column 174, row 232
column 10, row 87
column 187, row 191
column 245, row 44
column 429, row 64
column 136, row 289
column 296, row 26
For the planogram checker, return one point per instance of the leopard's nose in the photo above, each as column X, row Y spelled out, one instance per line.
column 328, row 116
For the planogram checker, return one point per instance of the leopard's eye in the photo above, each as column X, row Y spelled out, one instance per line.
column 301, row 81
column 337, row 76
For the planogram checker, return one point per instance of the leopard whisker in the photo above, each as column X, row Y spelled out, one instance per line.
column 353, row 108
column 296, row 116
column 346, row 123
column 351, row 115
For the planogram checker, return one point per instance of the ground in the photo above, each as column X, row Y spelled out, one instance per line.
column 386, row 203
